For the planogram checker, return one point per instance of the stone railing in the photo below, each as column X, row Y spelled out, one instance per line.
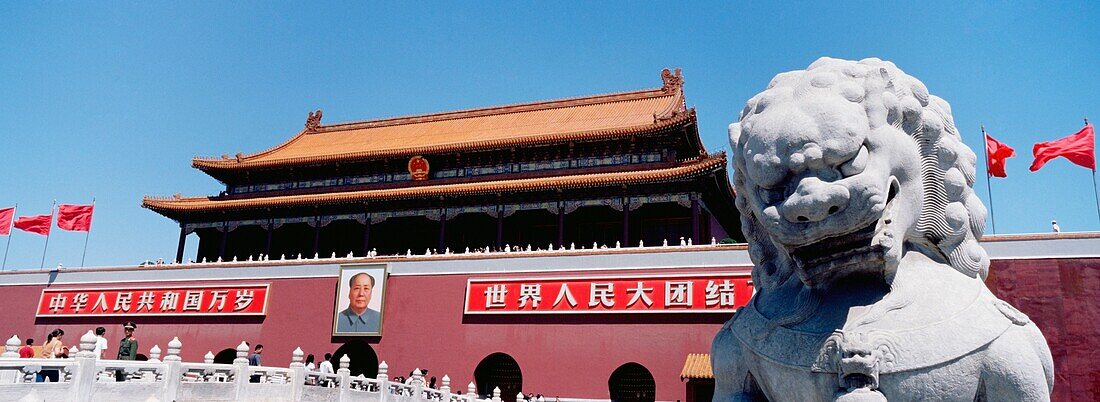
column 86, row 378
column 487, row 251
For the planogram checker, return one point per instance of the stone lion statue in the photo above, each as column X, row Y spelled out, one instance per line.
column 855, row 193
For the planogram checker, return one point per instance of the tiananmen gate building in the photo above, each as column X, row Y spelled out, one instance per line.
column 626, row 168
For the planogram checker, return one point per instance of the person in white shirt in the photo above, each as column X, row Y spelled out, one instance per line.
column 326, row 366
column 309, row 363
column 100, row 342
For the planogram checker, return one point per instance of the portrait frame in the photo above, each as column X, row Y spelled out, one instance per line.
column 341, row 301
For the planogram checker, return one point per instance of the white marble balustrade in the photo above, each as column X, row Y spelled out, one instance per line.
column 84, row 378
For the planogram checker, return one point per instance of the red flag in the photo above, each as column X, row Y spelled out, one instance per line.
column 77, row 218
column 1079, row 148
column 996, row 153
column 5, row 220
column 35, row 224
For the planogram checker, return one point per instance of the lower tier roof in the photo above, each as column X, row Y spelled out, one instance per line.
column 177, row 205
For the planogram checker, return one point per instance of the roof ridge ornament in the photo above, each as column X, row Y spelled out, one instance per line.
column 313, row 121
column 672, row 80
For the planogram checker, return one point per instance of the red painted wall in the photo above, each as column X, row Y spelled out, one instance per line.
column 1063, row 298
column 566, row 355
column 424, row 327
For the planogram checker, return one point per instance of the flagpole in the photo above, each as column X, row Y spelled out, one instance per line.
column 44, row 247
column 988, row 187
column 1095, row 194
column 8, row 247
column 86, row 235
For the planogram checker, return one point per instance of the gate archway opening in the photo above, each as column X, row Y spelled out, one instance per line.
column 225, row 356
column 632, row 382
column 363, row 359
column 499, row 370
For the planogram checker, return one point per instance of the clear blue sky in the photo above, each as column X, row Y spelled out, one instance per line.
column 113, row 100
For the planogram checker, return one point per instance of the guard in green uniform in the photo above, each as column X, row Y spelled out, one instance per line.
column 127, row 349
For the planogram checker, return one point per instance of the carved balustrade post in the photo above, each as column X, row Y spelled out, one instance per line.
column 240, row 367
column 83, row 370
column 298, row 374
column 345, row 378
column 496, row 394
column 471, row 391
column 11, row 347
column 174, row 348
column 445, row 388
column 209, row 357
column 11, row 351
column 383, row 381
column 417, row 384
column 173, row 370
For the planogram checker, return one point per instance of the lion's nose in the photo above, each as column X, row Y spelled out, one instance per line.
column 814, row 200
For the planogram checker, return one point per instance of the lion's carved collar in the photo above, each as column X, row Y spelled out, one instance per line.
column 908, row 348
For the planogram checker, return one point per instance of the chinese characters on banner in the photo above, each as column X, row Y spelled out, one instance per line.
column 207, row 300
column 703, row 293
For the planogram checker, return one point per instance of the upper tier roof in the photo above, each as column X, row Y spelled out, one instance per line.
column 583, row 118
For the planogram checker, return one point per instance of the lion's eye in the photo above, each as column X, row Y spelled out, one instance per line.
column 772, row 195
column 855, row 165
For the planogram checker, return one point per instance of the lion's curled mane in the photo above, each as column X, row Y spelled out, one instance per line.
column 951, row 217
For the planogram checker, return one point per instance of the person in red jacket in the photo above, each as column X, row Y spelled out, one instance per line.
column 27, row 351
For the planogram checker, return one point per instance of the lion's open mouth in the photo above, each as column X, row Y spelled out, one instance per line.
column 836, row 252
column 832, row 248
column 842, row 254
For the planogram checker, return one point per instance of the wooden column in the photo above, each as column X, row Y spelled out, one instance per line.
column 561, row 224
column 270, row 234
column 500, row 225
column 225, row 238
column 366, row 235
column 626, row 221
column 316, row 234
column 183, row 242
column 695, row 218
column 442, row 229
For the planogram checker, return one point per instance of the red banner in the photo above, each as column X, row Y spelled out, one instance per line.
column 6, row 215
column 175, row 300
column 703, row 293
column 39, row 224
column 1079, row 148
column 996, row 153
column 77, row 218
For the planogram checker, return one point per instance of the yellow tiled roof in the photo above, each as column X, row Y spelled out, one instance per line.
column 582, row 118
column 697, row 366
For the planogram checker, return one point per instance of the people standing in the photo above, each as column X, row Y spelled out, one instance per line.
column 326, row 365
column 100, row 342
column 254, row 360
column 127, row 348
column 309, row 363
column 27, row 351
column 51, row 350
column 52, row 346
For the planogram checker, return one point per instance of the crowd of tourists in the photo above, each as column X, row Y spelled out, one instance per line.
column 54, row 348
